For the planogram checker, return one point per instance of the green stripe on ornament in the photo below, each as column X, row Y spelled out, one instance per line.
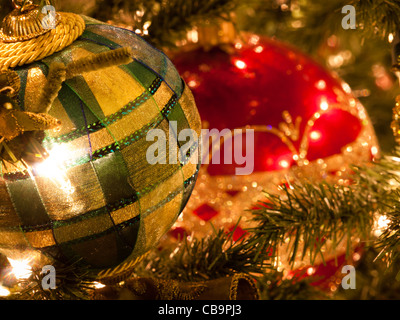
column 152, row 58
column 119, row 145
column 99, row 40
column 28, row 204
column 124, row 224
column 113, row 174
column 121, row 203
column 77, row 111
column 98, row 125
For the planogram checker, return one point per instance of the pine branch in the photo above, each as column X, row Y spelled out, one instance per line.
column 73, row 282
column 165, row 22
column 308, row 213
column 272, row 287
column 209, row 258
column 311, row 22
column 178, row 16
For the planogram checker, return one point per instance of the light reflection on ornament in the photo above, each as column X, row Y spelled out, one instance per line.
column 254, row 39
column 321, row 85
column 240, row 64
column 324, row 104
column 238, row 45
column 52, row 168
column 259, row 49
column 315, row 135
column 346, row 87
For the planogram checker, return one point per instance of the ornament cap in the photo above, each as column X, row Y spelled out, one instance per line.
column 28, row 34
column 25, row 22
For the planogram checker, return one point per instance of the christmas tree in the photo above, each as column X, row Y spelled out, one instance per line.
column 315, row 80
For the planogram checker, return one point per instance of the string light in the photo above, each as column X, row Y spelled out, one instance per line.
column 98, row 285
column 284, row 164
column 4, row 292
column 310, row 271
column 380, row 224
column 21, row 269
column 193, row 84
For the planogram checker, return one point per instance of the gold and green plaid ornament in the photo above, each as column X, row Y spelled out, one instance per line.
column 75, row 183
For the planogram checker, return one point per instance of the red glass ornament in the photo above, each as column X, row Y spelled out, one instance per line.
column 254, row 85
column 303, row 116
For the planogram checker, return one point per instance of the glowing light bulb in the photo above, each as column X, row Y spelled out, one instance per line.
column 380, row 224
column 4, row 292
column 193, row 36
column 310, row 271
column 193, row 84
column 20, row 268
column 356, row 256
column 374, row 151
column 98, row 285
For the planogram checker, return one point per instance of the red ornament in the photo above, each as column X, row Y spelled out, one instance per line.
column 306, row 122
